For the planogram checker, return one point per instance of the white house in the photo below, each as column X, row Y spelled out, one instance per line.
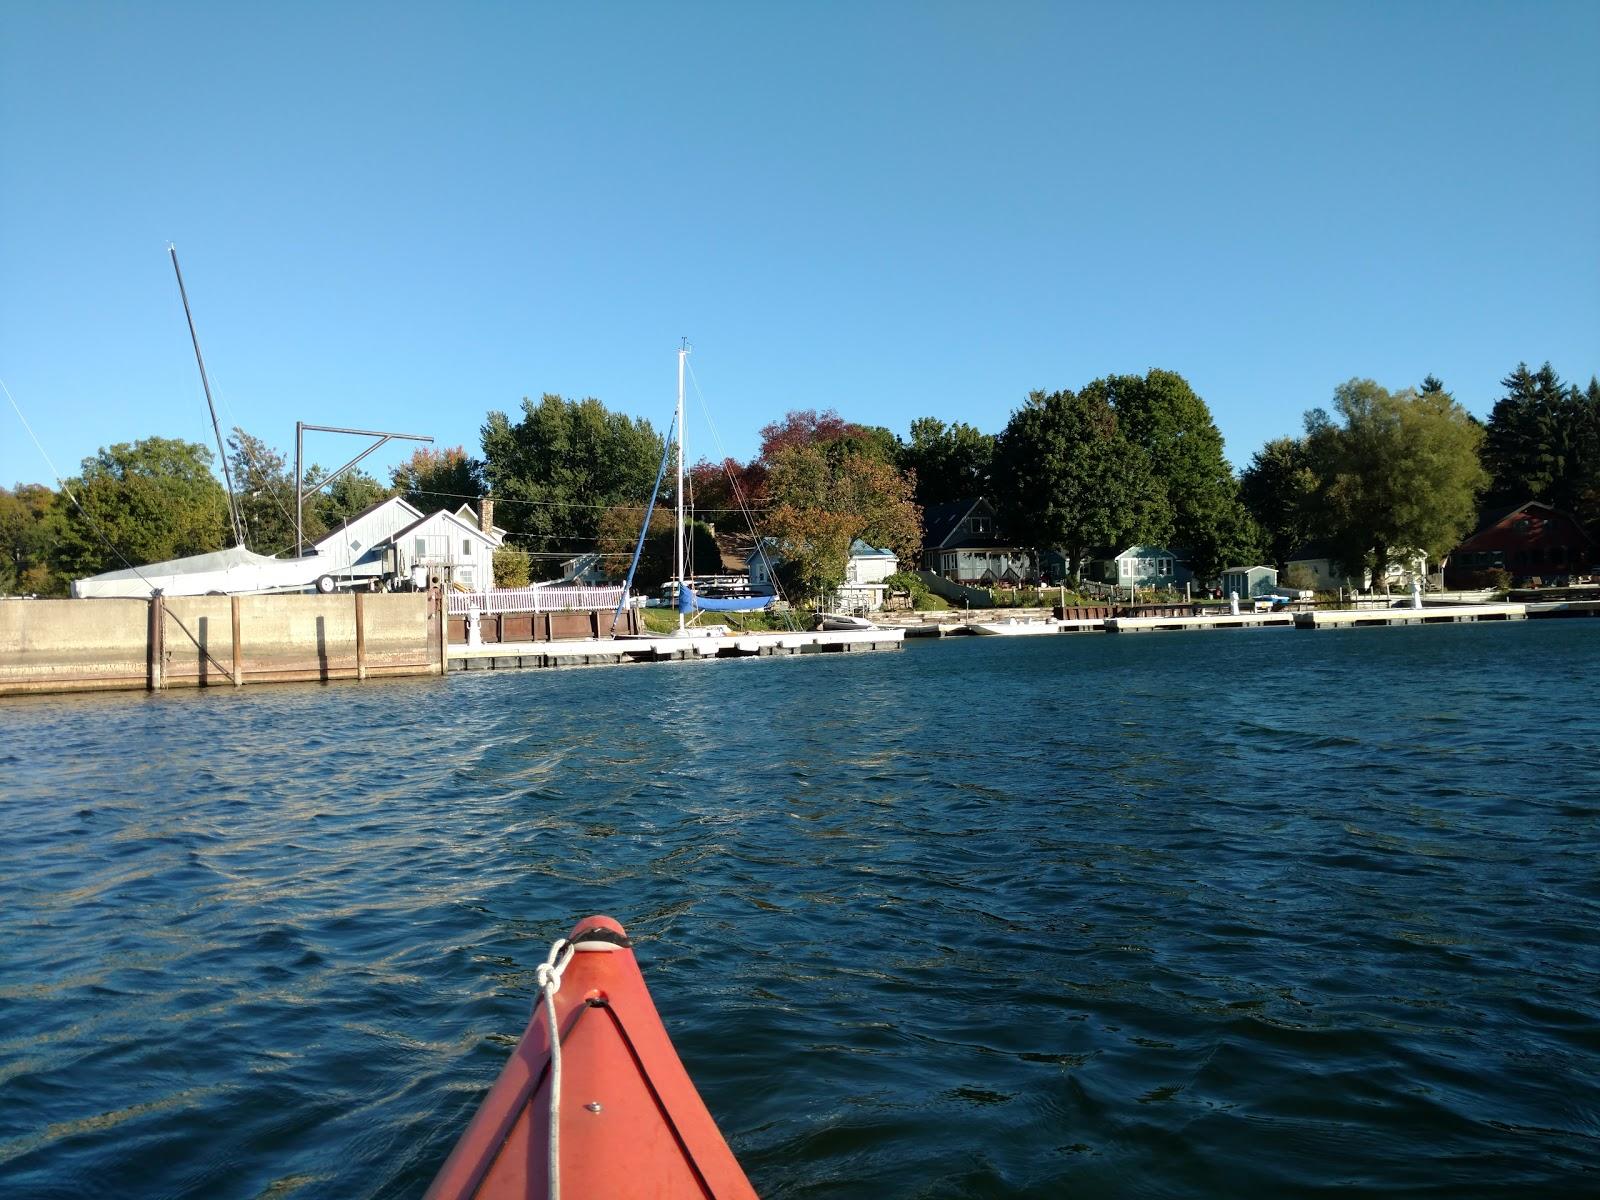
column 447, row 545
column 1327, row 575
column 864, row 574
column 390, row 539
column 356, row 546
column 588, row 570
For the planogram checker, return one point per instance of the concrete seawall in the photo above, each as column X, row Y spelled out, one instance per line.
column 209, row 641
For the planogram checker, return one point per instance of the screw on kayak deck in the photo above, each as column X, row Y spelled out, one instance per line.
column 593, row 1106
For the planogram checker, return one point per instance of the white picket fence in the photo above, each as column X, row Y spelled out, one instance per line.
column 534, row 599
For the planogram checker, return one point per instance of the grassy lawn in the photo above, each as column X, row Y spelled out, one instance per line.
column 665, row 620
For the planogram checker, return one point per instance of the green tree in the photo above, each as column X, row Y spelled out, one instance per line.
column 347, row 496
column 563, row 464
column 1532, row 444
column 29, row 525
column 619, row 535
column 142, row 502
column 951, row 462
column 1277, row 489
column 265, row 487
column 1587, row 477
column 1067, row 478
column 1396, row 473
column 433, row 479
column 511, row 567
column 1162, row 414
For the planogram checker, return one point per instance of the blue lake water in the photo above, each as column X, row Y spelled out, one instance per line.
column 1167, row 915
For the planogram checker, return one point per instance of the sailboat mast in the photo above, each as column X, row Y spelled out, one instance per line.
column 227, row 477
column 683, row 352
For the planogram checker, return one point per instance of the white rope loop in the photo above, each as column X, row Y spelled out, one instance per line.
column 548, row 975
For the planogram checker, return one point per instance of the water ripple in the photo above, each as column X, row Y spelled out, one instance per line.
column 1186, row 915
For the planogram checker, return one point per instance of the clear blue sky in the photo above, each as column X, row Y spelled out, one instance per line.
column 402, row 216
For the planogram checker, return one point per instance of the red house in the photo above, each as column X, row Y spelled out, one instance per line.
column 1532, row 540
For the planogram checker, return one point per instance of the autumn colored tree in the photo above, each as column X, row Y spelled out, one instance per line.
column 802, row 427
column 720, row 491
column 433, row 479
column 819, row 505
column 29, row 525
column 512, row 567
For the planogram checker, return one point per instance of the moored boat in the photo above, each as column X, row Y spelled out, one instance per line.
column 1015, row 628
column 627, row 1120
column 844, row 621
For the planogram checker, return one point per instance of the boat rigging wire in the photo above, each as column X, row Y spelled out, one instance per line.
column 101, row 534
column 739, row 498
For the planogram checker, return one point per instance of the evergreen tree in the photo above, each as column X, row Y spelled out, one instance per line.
column 347, row 496
column 1526, row 447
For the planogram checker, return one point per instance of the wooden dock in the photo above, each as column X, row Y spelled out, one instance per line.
column 503, row 656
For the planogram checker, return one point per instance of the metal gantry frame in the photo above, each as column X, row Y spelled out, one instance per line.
column 300, row 428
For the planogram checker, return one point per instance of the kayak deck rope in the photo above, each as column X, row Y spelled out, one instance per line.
column 548, row 975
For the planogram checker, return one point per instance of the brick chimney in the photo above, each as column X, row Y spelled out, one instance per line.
column 486, row 515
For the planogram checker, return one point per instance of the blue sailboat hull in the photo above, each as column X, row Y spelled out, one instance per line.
column 689, row 600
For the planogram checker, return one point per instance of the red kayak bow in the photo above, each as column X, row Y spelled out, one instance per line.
column 630, row 1123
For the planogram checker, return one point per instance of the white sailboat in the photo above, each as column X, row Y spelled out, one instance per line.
column 688, row 599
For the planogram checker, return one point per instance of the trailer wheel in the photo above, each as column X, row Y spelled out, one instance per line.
column 325, row 584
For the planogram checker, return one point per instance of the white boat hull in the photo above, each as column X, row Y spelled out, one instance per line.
column 1015, row 628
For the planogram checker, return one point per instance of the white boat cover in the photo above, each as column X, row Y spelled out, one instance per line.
column 225, row 572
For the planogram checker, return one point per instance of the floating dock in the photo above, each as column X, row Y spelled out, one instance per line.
column 1447, row 614
column 503, row 656
column 1199, row 621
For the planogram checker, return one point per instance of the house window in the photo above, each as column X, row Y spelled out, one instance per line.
column 1166, row 566
column 421, row 548
column 355, row 544
column 1124, row 567
column 466, row 547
